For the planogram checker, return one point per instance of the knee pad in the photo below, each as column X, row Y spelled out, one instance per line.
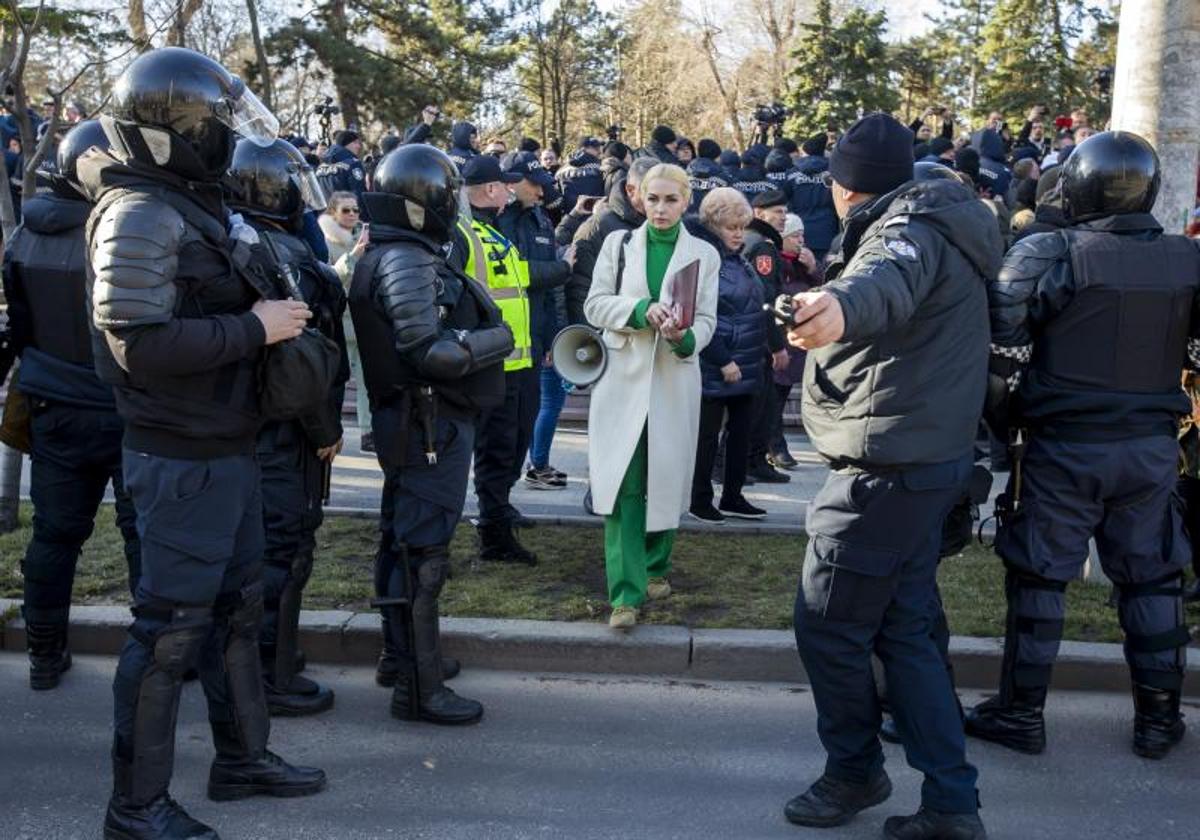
column 1035, row 623
column 241, row 611
column 174, row 635
column 432, row 566
column 1151, row 614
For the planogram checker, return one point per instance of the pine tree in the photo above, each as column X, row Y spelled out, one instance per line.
column 1026, row 51
column 842, row 70
column 958, row 31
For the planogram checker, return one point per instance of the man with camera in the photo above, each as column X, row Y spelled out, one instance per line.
column 179, row 330
column 423, row 130
column 1033, row 134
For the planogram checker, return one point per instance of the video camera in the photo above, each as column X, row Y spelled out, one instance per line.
column 325, row 111
column 770, row 119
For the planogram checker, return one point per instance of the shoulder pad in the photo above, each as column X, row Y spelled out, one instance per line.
column 135, row 257
column 1033, row 256
column 408, row 283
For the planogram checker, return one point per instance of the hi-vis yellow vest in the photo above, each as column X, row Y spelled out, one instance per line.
column 506, row 277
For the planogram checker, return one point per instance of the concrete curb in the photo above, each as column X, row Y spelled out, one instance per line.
column 348, row 638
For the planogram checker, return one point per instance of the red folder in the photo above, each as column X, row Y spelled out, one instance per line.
column 679, row 293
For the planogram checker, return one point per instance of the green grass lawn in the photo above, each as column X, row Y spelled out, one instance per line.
column 720, row 580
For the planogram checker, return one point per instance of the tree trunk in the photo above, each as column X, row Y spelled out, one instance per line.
column 1157, row 75
column 183, row 17
column 260, row 52
column 137, row 25
column 339, row 27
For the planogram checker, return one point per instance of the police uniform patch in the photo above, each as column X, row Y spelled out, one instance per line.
column 901, row 248
column 358, row 174
column 763, row 264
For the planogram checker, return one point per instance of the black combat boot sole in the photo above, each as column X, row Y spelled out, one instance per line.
column 400, row 712
column 117, row 834
column 878, row 797
column 277, row 709
column 1022, row 746
column 46, row 679
column 1159, row 749
column 228, row 793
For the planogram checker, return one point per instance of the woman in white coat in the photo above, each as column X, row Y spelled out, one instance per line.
column 645, row 410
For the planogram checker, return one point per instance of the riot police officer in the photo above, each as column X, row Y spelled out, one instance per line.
column 433, row 347
column 1091, row 327
column 76, row 431
column 179, row 332
column 274, row 187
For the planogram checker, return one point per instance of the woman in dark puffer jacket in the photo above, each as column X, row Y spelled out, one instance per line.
column 731, row 365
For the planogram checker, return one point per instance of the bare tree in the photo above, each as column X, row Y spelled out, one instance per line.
column 728, row 91
column 183, row 16
column 260, row 53
column 137, row 25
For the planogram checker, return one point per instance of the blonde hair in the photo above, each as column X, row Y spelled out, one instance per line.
column 668, row 172
column 723, row 207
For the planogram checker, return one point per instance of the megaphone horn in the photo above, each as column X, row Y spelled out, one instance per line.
column 578, row 354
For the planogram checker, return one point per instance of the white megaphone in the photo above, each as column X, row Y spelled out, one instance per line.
column 578, row 355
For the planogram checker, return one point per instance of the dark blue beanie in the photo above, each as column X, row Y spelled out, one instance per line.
column 874, row 156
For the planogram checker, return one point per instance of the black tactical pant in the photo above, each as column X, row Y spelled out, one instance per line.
column 869, row 586
column 293, row 480
column 76, row 453
column 1120, row 493
column 201, row 529
column 501, row 443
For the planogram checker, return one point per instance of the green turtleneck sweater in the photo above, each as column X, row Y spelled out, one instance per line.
column 660, row 246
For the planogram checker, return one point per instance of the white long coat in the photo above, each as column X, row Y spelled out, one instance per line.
column 645, row 384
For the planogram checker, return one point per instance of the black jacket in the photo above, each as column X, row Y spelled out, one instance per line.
column 614, row 171
column 905, row 383
column 341, row 171
column 170, row 309
column 761, row 252
column 45, row 282
column 529, row 228
column 751, row 180
column 658, row 150
column 618, row 214
column 812, row 201
column 1091, row 326
column 581, row 176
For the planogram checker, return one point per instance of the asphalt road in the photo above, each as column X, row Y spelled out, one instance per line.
column 573, row 757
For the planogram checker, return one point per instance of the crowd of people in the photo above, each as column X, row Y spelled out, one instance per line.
column 189, row 295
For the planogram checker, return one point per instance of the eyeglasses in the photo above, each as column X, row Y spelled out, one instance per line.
column 348, row 210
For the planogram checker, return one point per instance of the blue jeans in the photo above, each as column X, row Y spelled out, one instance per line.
column 554, row 396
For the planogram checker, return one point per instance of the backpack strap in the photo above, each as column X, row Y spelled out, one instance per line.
column 621, row 261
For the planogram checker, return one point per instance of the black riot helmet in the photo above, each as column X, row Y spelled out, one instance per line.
column 83, row 136
column 1108, row 174
column 273, row 182
column 178, row 110
column 415, row 187
column 927, row 170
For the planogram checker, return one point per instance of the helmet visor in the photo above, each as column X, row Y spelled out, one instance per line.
column 310, row 189
column 249, row 118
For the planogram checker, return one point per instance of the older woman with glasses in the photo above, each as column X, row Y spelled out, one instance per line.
column 347, row 239
column 645, row 410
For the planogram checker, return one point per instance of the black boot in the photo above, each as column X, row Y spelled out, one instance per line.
column 934, row 825
column 498, row 544
column 831, row 802
column 1157, row 723
column 140, row 807
column 48, row 654
column 287, row 693
column 243, row 765
column 388, row 665
column 162, row 818
column 1016, row 723
column 888, row 731
column 237, row 773
column 436, row 703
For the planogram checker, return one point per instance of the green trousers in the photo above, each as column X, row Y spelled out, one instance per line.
column 631, row 556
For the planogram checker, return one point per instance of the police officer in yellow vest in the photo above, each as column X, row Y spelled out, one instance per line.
column 502, row 435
